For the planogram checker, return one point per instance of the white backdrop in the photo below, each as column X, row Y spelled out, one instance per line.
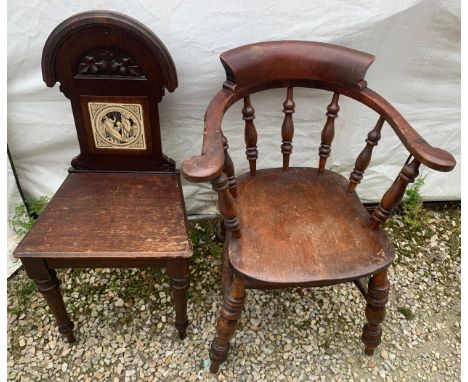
column 417, row 68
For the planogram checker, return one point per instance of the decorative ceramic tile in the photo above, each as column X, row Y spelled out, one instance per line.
column 117, row 125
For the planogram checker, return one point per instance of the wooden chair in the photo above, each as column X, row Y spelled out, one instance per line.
column 121, row 205
column 288, row 227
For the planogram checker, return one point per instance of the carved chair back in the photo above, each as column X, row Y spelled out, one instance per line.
column 288, row 64
column 114, row 71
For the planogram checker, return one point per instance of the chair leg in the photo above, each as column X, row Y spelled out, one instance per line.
column 178, row 273
column 234, row 299
column 49, row 286
column 377, row 297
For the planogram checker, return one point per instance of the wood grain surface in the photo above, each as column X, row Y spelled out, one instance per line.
column 302, row 226
column 126, row 215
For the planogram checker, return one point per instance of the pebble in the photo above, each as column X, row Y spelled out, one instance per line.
column 287, row 335
column 119, row 302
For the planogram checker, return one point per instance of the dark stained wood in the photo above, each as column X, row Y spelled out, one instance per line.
column 250, row 135
column 106, row 21
column 105, row 262
column 328, row 132
column 287, row 130
column 395, row 193
column 221, row 230
column 178, row 271
column 49, row 286
column 298, row 214
column 103, row 56
column 114, row 216
column 122, row 203
column 433, row 157
column 376, row 297
column 226, row 204
column 360, row 285
column 364, row 158
column 286, row 60
column 208, row 165
column 229, row 168
column 303, row 226
column 233, row 303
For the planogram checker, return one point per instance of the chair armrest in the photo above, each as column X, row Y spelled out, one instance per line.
column 208, row 165
column 433, row 157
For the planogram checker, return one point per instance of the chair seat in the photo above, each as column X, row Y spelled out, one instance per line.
column 111, row 215
column 303, row 227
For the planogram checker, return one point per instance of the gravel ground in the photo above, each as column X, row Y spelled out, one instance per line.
column 124, row 321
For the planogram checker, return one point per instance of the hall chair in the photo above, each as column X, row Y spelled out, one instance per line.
column 302, row 226
column 121, row 205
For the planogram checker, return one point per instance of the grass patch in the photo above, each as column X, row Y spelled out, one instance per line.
column 206, row 259
column 23, row 293
column 23, row 219
column 407, row 313
column 304, row 325
column 414, row 214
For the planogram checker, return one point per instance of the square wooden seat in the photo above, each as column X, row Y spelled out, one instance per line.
column 303, row 227
column 103, row 216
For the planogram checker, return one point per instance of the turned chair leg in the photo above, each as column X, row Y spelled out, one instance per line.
column 234, row 299
column 377, row 297
column 49, row 286
column 178, row 273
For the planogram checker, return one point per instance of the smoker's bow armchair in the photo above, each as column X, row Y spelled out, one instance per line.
column 301, row 226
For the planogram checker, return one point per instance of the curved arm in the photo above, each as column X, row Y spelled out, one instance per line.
column 417, row 146
column 208, row 165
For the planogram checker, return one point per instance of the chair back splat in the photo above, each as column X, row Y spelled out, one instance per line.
column 364, row 158
column 328, row 132
column 96, row 56
column 250, row 135
column 287, row 130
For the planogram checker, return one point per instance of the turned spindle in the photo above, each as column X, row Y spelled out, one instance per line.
column 287, row 130
column 377, row 298
column 328, row 131
column 395, row 193
column 364, row 158
column 233, row 303
column 250, row 135
column 226, row 205
column 229, row 168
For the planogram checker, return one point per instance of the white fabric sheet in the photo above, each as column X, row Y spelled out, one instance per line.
column 417, row 45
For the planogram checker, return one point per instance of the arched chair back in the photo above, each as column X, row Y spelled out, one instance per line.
column 114, row 71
